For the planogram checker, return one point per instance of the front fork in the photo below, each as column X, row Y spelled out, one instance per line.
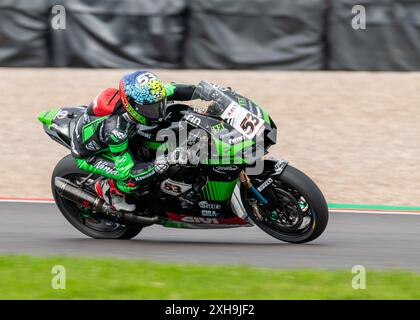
column 273, row 167
column 247, row 184
column 246, row 181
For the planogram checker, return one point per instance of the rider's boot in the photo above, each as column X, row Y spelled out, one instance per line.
column 107, row 190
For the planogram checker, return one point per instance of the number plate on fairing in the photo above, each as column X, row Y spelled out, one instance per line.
column 242, row 120
column 174, row 188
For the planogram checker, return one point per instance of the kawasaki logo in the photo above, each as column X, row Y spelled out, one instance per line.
column 147, row 135
column 140, row 178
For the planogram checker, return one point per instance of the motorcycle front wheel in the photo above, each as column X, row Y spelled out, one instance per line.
column 296, row 212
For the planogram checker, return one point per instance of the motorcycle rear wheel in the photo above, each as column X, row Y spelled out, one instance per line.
column 103, row 229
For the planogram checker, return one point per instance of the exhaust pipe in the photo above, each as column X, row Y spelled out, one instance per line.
column 72, row 192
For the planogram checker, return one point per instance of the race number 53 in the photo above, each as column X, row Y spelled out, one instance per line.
column 249, row 123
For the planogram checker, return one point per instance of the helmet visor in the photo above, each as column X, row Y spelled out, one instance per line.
column 152, row 111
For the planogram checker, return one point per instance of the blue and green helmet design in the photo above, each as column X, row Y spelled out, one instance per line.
column 144, row 88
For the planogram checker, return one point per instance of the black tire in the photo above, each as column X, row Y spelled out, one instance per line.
column 314, row 198
column 67, row 168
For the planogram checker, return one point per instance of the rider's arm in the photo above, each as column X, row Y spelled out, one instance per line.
column 115, row 135
column 179, row 92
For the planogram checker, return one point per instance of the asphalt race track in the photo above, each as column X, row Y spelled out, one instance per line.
column 373, row 240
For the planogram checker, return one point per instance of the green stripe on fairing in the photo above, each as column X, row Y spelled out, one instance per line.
column 225, row 149
column 264, row 112
column 266, row 116
column 219, row 190
column 372, row 207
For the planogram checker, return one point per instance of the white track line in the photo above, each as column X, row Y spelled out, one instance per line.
column 23, row 200
column 390, row 212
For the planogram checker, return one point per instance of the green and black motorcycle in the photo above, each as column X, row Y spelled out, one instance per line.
column 233, row 184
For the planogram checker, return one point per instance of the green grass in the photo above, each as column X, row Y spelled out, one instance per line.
column 24, row 277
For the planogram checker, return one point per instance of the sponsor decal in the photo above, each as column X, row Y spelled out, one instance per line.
column 236, row 140
column 224, row 169
column 199, row 110
column 230, row 111
column 118, row 134
column 174, row 187
column 242, row 120
column 193, row 119
column 93, row 146
column 207, row 205
column 62, row 114
column 204, row 220
column 209, row 213
column 161, row 168
column 280, row 165
column 200, row 220
column 218, row 127
column 265, row 184
column 146, row 135
column 104, row 166
column 140, row 178
column 241, row 101
column 223, row 89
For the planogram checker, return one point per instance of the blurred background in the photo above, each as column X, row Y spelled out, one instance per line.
column 212, row 34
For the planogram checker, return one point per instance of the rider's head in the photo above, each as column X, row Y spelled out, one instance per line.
column 143, row 96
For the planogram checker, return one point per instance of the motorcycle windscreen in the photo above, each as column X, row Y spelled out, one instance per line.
column 221, row 102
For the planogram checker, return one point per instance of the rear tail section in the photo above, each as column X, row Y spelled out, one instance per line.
column 47, row 117
column 59, row 123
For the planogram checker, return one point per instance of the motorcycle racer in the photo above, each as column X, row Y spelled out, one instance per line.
column 100, row 140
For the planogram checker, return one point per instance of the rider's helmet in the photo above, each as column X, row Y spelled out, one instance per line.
column 143, row 96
